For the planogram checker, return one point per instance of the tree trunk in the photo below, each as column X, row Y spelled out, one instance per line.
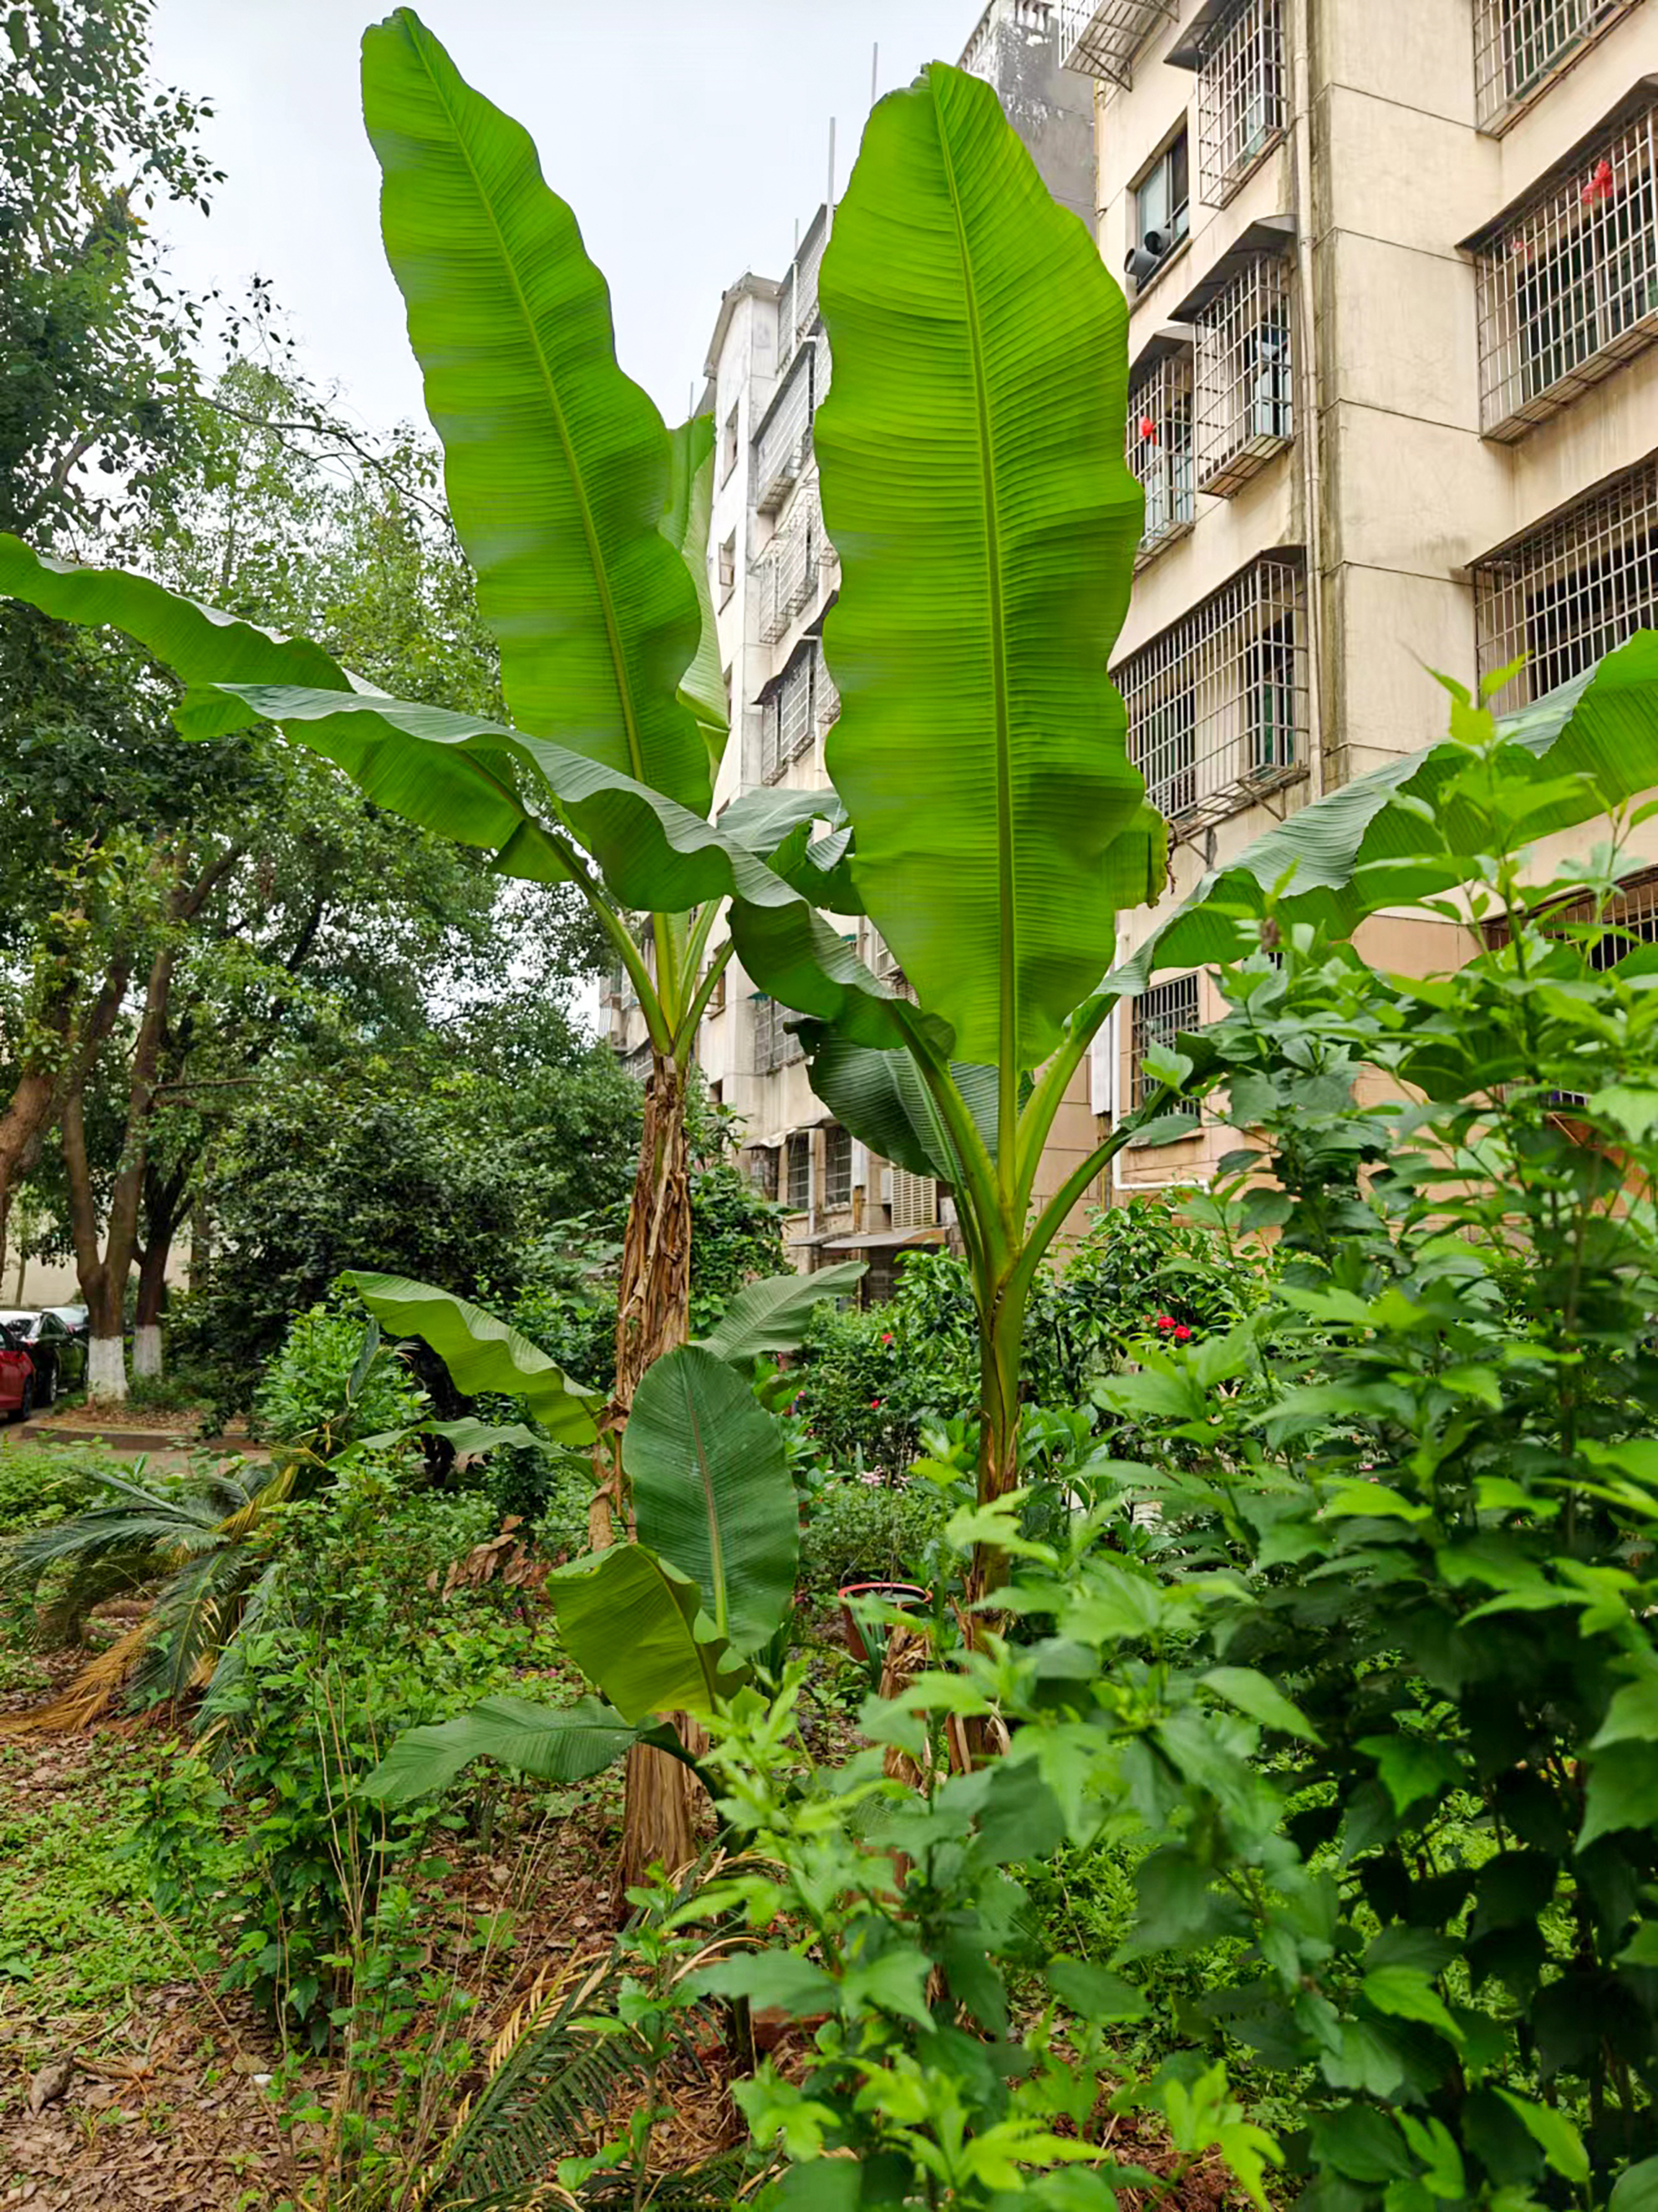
column 1001, row 1343
column 163, row 1211
column 653, row 1315
column 104, row 1273
column 63, row 1063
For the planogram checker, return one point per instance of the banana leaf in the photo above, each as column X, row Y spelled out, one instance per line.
column 482, row 1353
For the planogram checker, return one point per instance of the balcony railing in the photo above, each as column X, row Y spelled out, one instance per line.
column 1100, row 38
column 1245, row 402
column 1217, row 703
column 1568, row 280
column 1561, row 597
column 1160, row 448
column 787, row 727
column 786, row 574
column 782, row 445
column 1242, row 91
column 1519, row 45
column 1160, row 1015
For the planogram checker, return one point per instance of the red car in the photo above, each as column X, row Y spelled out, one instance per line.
column 17, row 1374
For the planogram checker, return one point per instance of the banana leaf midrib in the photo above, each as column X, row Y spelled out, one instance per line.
column 601, row 574
column 997, row 599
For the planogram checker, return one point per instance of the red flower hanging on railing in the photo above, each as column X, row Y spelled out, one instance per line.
column 1148, row 430
column 1598, row 186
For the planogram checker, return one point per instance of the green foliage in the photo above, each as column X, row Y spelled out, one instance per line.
column 308, row 1392
column 40, row 1484
column 868, row 1529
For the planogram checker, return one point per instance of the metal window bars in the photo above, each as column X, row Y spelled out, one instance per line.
column 1567, row 283
column 797, row 308
column 825, row 694
column 1519, row 44
column 788, row 726
column 786, row 574
column 1564, row 594
column 1244, row 376
column 1160, row 1015
column 763, row 1170
column 1607, row 929
column 782, row 445
column 774, row 1046
column 797, row 1173
column 1100, row 38
column 1160, row 448
column 1243, row 102
column 837, row 1165
column 1217, row 703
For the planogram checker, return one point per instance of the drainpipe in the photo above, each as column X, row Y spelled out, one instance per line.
column 1312, row 435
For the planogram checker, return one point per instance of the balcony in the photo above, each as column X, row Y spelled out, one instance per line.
column 1102, row 40
column 1520, row 45
column 786, row 574
column 1217, row 702
column 1567, row 278
column 1244, row 369
column 788, row 726
column 1563, row 595
column 782, row 444
column 1160, row 442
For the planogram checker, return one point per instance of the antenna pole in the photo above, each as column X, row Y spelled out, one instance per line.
column 874, row 71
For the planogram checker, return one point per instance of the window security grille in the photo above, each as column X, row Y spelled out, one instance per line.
column 787, row 572
column 798, row 308
column 1160, row 1014
column 1217, row 702
column 788, row 724
column 796, row 1187
column 1245, row 410
column 783, row 442
column 1568, row 592
column 1242, row 102
column 825, row 697
column 638, row 1062
column 1160, row 449
column 1568, row 283
column 763, row 1170
column 1100, row 38
column 774, row 1046
column 837, row 1165
column 1629, row 919
column 1518, row 43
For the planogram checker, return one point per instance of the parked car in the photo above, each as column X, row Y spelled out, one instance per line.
column 17, row 1374
column 59, row 1352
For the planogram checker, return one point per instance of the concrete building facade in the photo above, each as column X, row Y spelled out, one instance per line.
column 1394, row 283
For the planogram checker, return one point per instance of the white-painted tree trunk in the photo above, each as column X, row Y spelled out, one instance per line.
column 106, row 1368
column 147, row 1348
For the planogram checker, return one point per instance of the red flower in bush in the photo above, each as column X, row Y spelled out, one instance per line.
column 875, row 1405
column 1165, row 1320
column 1182, row 1334
column 886, row 1336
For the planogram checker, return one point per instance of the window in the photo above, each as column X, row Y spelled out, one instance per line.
column 1569, row 591
column 762, row 1170
column 727, row 568
column 1242, row 107
column 774, row 1045
column 783, row 441
column 717, row 996
column 1160, row 1014
column 1160, row 446
column 1568, row 281
column 1245, row 405
column 788, row 567
column 1162, row 201
column 796, row 1194
column 729, row 447
column 1217, row 702
column 837, row 1165
column 787, row 725
column 1519, row 44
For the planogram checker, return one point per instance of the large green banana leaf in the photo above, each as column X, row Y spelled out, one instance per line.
column 482, row 1353
column 554, row 1743
column 557, row 466
column 1354, row 852
column 772, row 1314
column 712, row 1492
column 635, row 1625
column 971, row 455
column 471, row 795
column 685, row 526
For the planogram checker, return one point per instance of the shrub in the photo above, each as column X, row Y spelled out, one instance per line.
column 308, row 1390
column 861, row 1528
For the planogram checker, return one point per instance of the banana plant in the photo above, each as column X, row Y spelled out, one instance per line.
column 667, row 1624
column 970, row 454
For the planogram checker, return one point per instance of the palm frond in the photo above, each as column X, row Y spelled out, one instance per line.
column 213, row 1719
column 192, row 1617
column 90, row 1695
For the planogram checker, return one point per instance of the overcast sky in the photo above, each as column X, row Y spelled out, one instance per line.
column 690, row 138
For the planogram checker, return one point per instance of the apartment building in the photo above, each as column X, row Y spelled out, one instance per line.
column 1393, row 282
